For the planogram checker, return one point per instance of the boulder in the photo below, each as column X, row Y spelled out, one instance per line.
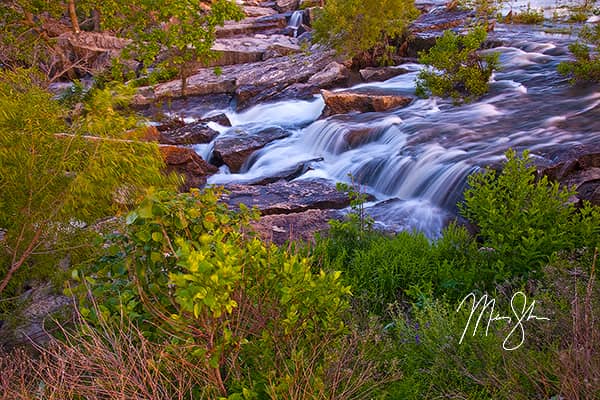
column 186, row 162
column 234, row 147
column 195, row 133
column 333, row 74
column 262, row 81
column 581, row 172
column 218, row 118
column 287, row 197
column 349, row 101
column 284, row 6
column 249, row 83
column 426, row 29
column 374, row 74
column 302, row 226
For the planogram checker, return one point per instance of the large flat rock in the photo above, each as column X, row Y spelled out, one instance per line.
column 249, row 83
column 287, row 197
column 253, row 49
column 250, row 26
column 348, row 101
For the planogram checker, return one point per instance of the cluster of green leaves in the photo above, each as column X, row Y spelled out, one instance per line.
column 529, row 16
column 526, row 220
column 586, row 67
column 355, row 26
column 483, row 8
column 170, row 34
column 251, row 316
column 57, row 177
column 458, row 70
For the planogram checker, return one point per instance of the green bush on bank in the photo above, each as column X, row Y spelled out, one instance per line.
column 586, row 66
column 254, row 319
column 456, row 69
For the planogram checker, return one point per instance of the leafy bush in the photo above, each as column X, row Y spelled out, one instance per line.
column 355, row 26
column 458, row 70
column 526, row 220
column 253, row 318
column 528, row 16
column 50, row 168
column 586, row 67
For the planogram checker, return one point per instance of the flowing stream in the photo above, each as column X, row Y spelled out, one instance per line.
column 415, row 160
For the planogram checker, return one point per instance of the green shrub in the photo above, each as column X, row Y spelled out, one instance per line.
column 50, row 165
column 460, row 72
column 586, row 67
column 524, row 220
column 254, row 318
column 529, row 16
column 355, row 26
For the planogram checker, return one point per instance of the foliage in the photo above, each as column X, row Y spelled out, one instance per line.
column 528, row 16
column 526, row 220
column 356, row 26
column 56, row 177
column 483, row 8
column 586, row 67
column 557, row 359
column 252, row 317
column 459, row 71
column 174, row 34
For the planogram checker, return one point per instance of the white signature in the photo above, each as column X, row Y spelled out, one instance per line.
column 521, row 315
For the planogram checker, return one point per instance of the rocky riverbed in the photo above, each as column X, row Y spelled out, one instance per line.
column 283, row 120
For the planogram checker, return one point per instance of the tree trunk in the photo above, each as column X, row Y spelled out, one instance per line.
column 73, row 16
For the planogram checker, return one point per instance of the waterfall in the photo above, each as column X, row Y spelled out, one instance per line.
column 416, row 160
column 296, row 21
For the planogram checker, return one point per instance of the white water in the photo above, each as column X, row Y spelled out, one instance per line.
column 296, row 21
column 415, row 160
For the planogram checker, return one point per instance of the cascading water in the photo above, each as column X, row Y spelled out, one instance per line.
column 415, row 160
column 296, row 21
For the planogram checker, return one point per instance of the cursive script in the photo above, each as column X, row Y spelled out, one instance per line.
column 520, row 315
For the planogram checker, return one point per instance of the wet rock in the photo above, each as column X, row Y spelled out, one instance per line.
column 186, row 162
column 286, row 174
column 287, row 197
column 303, row 226
column 373, row 74
column 333, row 74
column 286, row 5
column 581, row 172
column 194, row 133
column 219, row 118
column 234, row 148
column 349, row 101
